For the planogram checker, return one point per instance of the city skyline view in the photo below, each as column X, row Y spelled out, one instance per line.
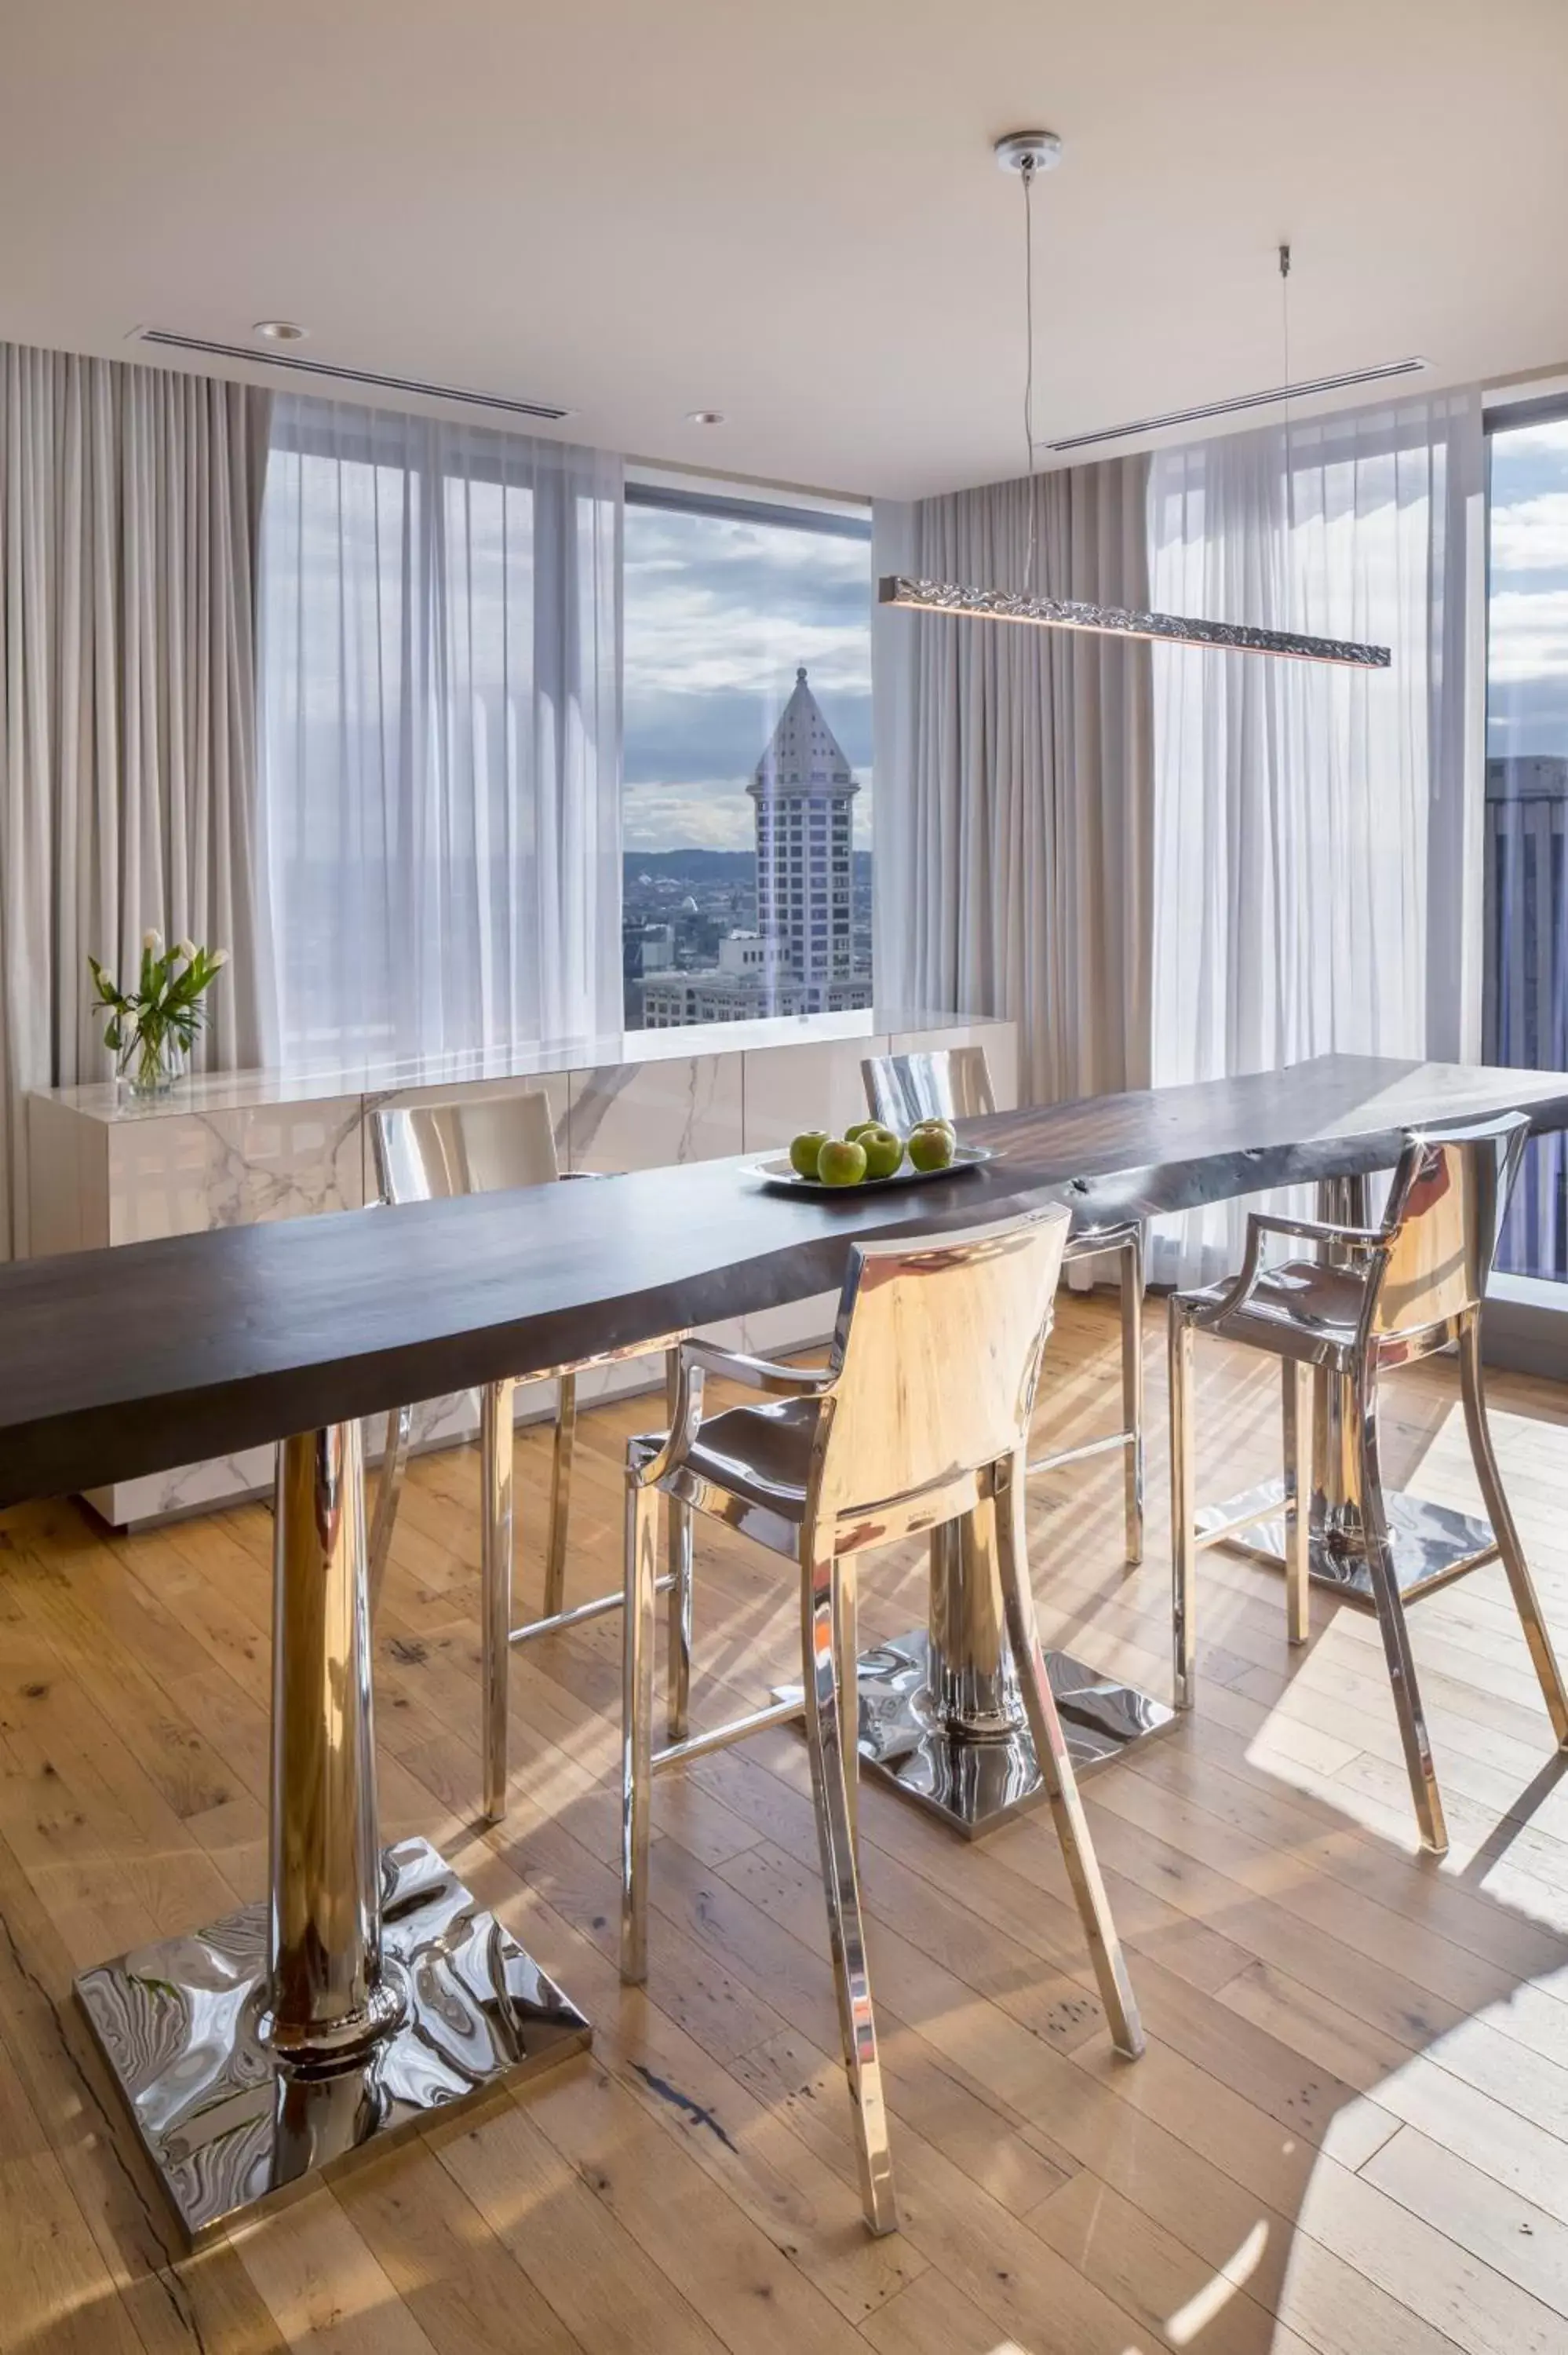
column 719, row 614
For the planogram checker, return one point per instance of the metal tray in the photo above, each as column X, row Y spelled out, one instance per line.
column 780, row 1174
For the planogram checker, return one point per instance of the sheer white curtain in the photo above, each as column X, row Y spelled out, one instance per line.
column 1012, row 810
column 1307, row 819
column 129, row 499
column 440, row 735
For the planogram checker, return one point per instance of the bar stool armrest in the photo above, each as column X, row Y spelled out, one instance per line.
column 758, row 1373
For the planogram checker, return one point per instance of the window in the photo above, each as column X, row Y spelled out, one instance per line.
column 1525, row 967
column 747, row 633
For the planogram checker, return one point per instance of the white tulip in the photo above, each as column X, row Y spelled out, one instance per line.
column 186, row 949
column 219, row 956
column 152, row 942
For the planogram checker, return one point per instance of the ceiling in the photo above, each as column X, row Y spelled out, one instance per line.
column 789, row 213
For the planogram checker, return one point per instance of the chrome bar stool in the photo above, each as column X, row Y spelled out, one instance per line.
column 1372, row 1299
column 479, row 1145
column 920, row 1415
column 954, row 1083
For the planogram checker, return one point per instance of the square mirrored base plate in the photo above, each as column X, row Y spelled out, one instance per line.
column 225, row 2127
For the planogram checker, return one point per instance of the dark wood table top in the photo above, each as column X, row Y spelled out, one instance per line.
column 119, row 1362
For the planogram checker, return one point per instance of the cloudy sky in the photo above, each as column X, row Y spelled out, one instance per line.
column 719, row 616
column 1527, row 700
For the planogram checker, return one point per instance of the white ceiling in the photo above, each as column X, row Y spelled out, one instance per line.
column 789, row 213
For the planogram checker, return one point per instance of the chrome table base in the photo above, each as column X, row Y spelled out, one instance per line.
column 227, row 2124
column 369, row 1990
column 975, row 1781
column 941, row 1714
column 1432, row 1543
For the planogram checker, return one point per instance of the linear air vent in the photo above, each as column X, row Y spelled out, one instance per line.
column 367, row 377
column 1279, row 392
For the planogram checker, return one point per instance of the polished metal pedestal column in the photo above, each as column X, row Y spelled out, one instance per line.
column 940, row 1713
column 370, row 1988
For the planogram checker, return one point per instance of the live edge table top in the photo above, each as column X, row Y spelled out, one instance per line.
column 132, row 1360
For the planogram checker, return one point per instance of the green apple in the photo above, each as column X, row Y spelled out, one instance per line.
column 858, row 1129
column 883, row 1151
column 932, row 1145
column 804, row 1149
column 840, row 1162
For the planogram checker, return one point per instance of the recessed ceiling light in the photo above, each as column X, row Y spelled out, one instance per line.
column 281, row 331
column 704, row 417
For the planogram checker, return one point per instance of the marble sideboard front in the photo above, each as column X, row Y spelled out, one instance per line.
column 231, row 1149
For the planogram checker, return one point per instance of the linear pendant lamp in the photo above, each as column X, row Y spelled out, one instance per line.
column 1117, row 621
column 1027, row 152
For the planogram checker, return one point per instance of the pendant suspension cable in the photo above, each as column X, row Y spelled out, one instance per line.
column 1026, row 174
column 1289, row 468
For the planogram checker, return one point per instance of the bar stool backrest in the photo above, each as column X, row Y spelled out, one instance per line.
column 935, row 1358
column 1445, row 1214
column 954, row 1083
column 469, row 1144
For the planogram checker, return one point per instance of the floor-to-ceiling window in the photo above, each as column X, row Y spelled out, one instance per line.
column 745, row 802
column 1525, row 1007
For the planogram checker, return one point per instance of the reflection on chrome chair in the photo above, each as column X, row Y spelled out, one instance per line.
column 1373, row 1298
column 920, row 1415
column 954, row 1083
column 481, row 1145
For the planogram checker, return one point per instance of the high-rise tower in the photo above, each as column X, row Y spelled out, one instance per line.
column 803, row 788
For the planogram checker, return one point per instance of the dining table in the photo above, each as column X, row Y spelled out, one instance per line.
column 367, row 1987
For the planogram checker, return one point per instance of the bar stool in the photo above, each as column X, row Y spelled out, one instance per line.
column 954, row 1083
column 920, row 1415
column 479, row 1145
column 1374, row 1298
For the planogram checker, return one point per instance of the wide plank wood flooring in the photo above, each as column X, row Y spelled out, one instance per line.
column 1349, row 2132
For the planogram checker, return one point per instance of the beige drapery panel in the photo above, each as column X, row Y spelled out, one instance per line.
column 128, row 510
column 1014, row 793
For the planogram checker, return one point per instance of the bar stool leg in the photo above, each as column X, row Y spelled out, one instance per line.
column 388, row 1491
column 1296, row 1415
column 560, row 1495
column 1183, row 1534
column 1132, row 1389
column 678, row 1563
column 1391, row 1616
column 827, row 1638
column 1499, row 1514
column 495, row 1448
column 1056, row 1768
column 636, row 1724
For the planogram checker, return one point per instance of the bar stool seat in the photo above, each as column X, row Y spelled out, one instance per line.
column 1300, row 1308
column 749, row 1467
column 920, row 1415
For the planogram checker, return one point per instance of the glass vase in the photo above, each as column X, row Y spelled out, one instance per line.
column 150, row 1063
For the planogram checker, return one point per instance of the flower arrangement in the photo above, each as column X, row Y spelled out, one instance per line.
column 150, row 1027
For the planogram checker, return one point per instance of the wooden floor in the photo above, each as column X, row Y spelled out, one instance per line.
column 1350, row 2132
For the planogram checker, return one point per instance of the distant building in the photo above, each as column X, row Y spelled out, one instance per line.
column 748, row 981
column 1527, row 777
column 803, row 789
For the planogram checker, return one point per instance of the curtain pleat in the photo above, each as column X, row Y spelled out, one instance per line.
column 1307, row 818
column 1013, row 849
column 440, row 737
column 129, row 499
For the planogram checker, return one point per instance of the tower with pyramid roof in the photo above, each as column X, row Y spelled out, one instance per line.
column 802, row 790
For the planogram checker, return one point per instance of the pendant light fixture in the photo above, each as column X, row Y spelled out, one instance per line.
column 1028, row 152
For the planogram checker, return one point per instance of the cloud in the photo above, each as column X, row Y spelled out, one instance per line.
column 718, row 615
column 1531, row 535
column 1527, row 635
